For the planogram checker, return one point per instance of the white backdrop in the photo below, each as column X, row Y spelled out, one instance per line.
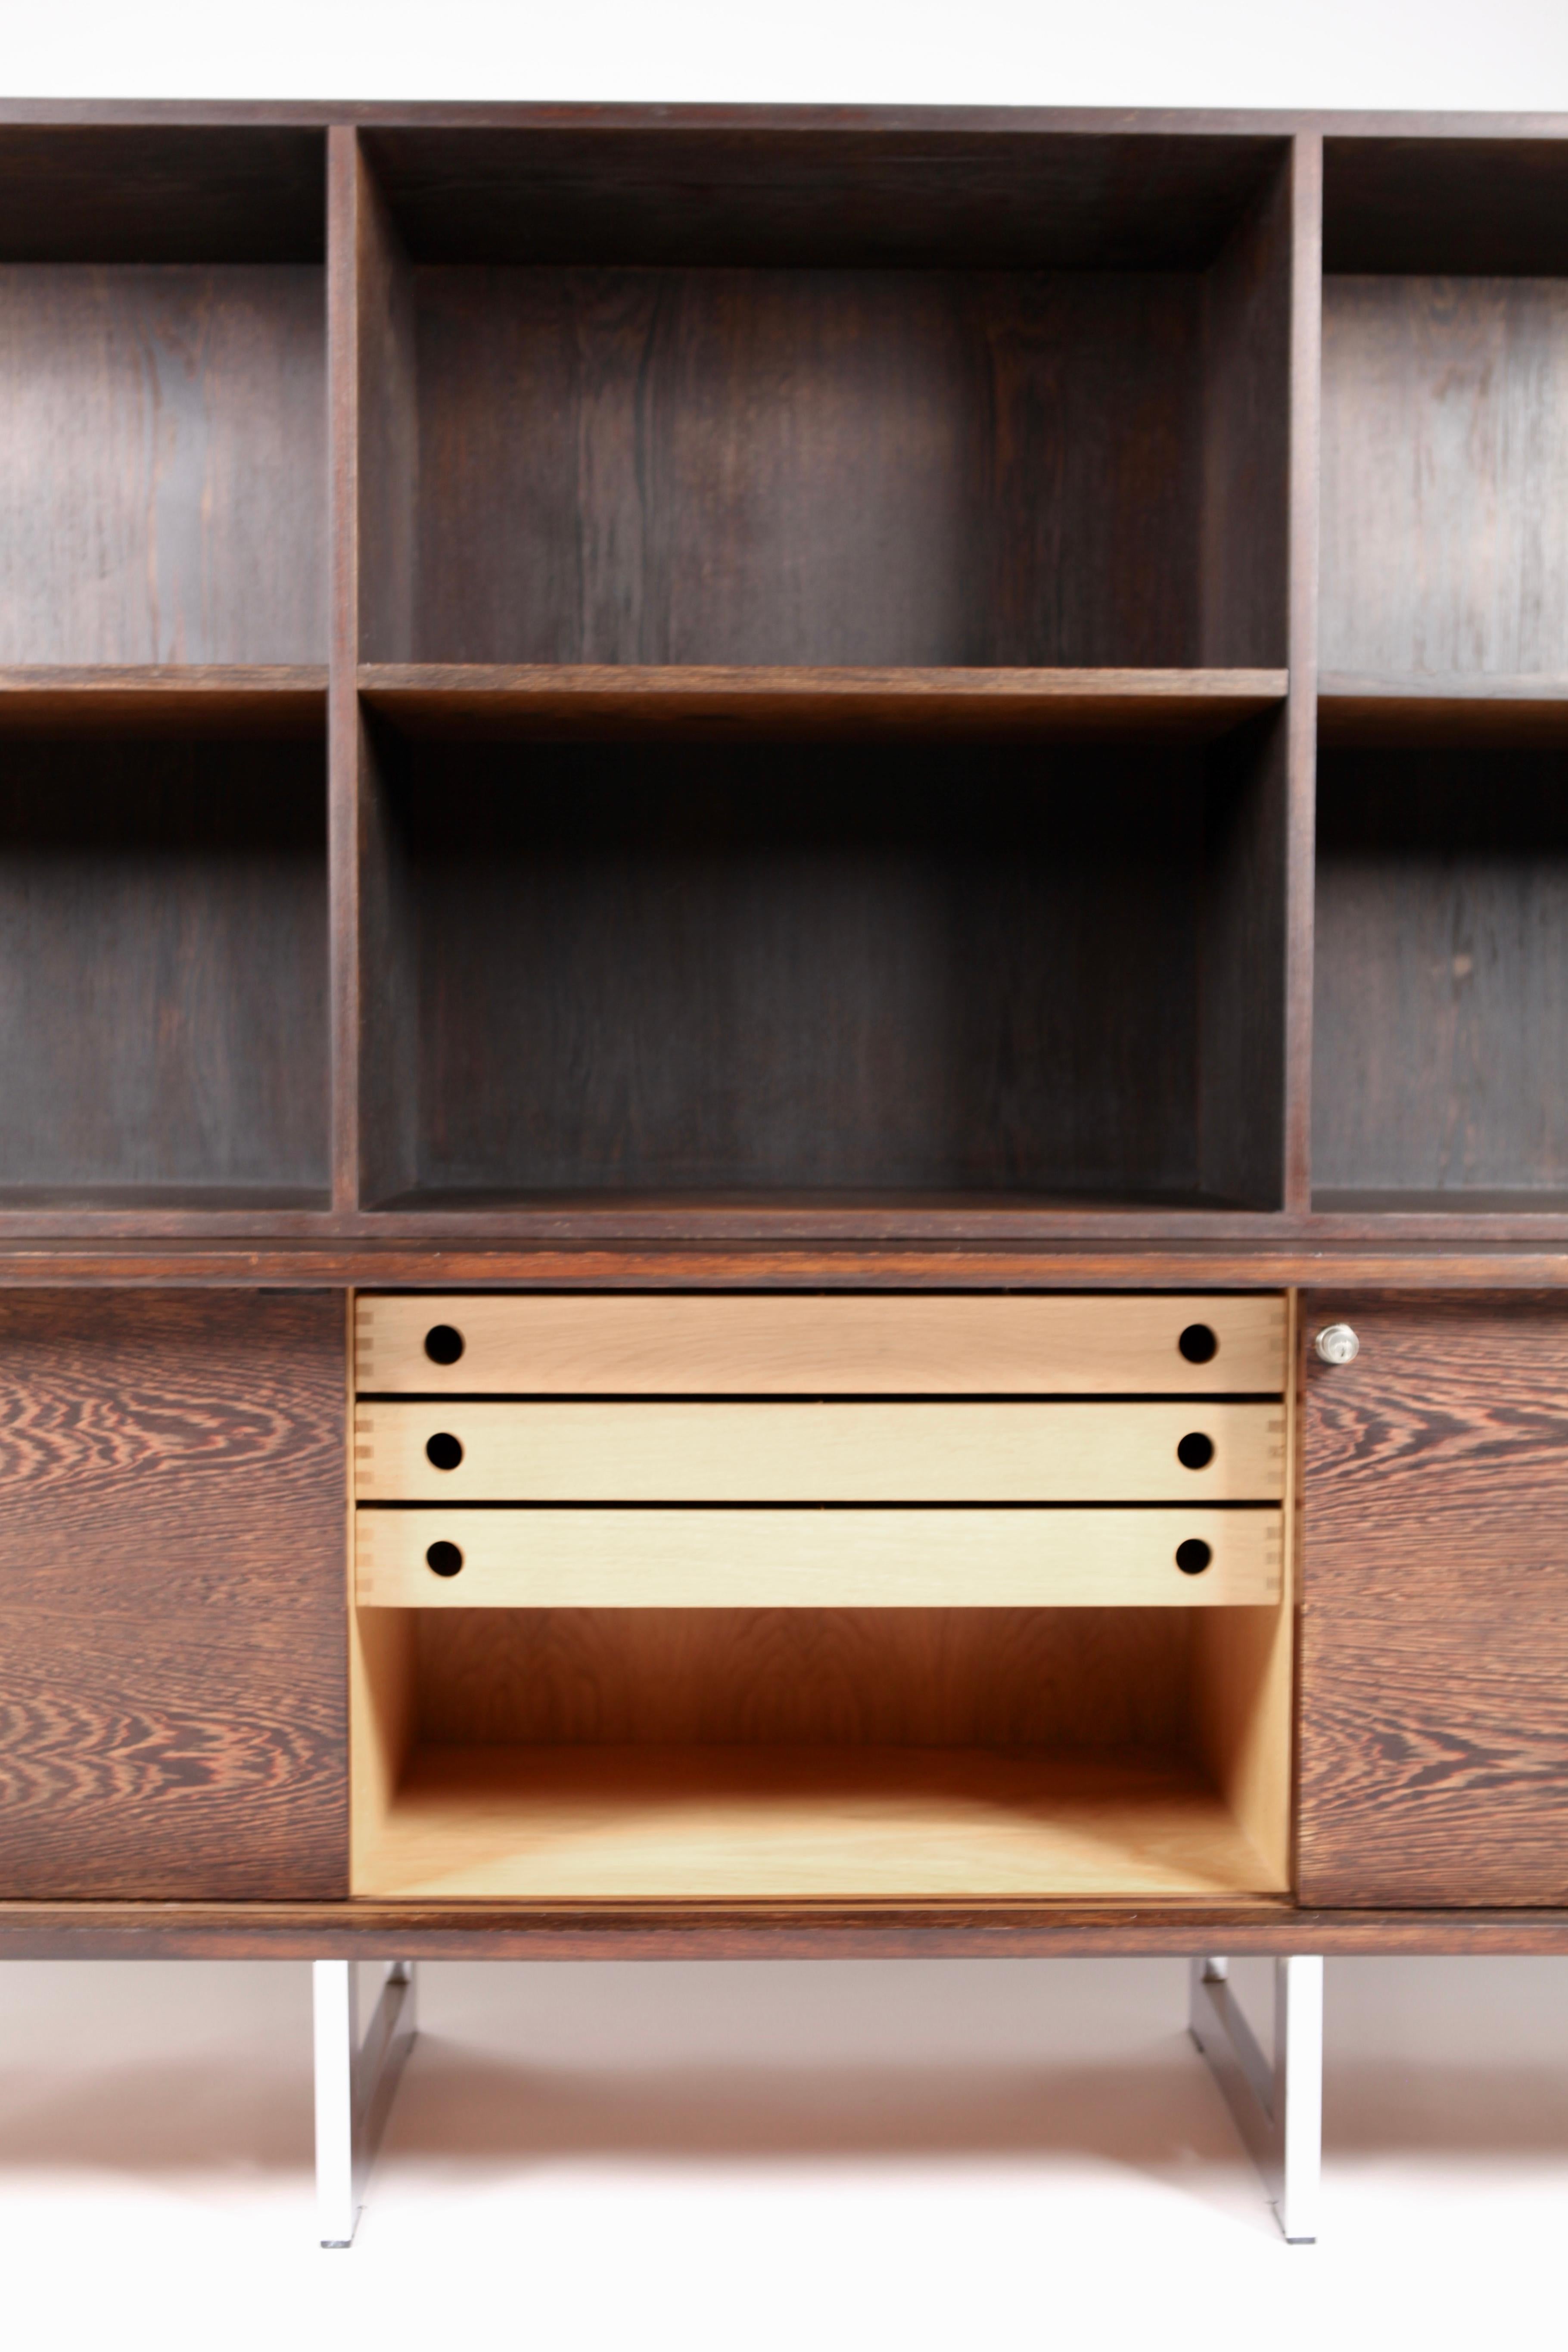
column 1510, row 54
column 759, row 2157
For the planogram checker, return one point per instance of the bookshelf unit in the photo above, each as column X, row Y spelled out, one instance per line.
column 823, row 778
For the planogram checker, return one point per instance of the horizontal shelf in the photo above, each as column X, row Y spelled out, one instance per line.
column 826, row 1206
column 273, row 699
column 1371, row 713
column 1454, row 1201
column 604, row 702
column 125, row 1202
column 605, row 1824
column 655, row 1452
column 817, row 1559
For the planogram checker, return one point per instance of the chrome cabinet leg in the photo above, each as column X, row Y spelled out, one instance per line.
column 1279, row 2104
column 356, row 2081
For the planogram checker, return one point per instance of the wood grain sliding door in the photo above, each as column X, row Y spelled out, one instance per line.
column 173, row 1674
column 1434, row 1662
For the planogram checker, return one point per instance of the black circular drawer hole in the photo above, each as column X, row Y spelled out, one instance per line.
column 444, row 1343
column 443, row 1452
column 444, row 1559
column 1197, row 1343
column 1195, row 1451
column 1192, row 1557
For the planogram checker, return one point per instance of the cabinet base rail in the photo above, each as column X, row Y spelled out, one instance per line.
column 1276, row 2102
column 356, row 2080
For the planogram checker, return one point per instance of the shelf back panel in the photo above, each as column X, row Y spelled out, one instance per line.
column 163, row 464
column 1444, row 478
column 163, row 966
column 774, row 969
column 806, row 466
column 863, row 194
column 1442, row 974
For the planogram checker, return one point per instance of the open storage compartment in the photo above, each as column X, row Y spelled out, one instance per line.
column 1445, row 414
column 162, row 972
column 793, row 1597
column 942, row 1754
column 623, row 969
column 1442, row 980
column 807, row 398
column 163, row 396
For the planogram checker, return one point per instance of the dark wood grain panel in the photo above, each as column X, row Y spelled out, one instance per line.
column 248, row 700
column 818, row 187
column 700, row 971
column 374, row 455
column 172, row 1667
column 1242, row 943
column 242, row 190
column 629, row 702
column 1246, row 417
column 162, row 967
column 1444, row 471
column 1364, row 710
column 1434, row 1662
column 162, row 465
column 1477, row 206
column 1441, row 1042
column 383, row 454
column 768, row 1244
column 1306, row 440
column 1011, row 1929
column 808, row 467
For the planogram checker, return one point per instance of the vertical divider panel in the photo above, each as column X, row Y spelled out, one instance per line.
column 371, row 342
column 1306, row 402
column 1244, row 524
column 1245, row 515
column 343, row 697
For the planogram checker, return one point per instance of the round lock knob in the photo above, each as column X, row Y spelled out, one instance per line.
column 1336, row 1343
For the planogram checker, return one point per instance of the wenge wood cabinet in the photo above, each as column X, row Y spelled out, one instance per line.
column 173, row 1716
column 1434, row 1622
column 877, row 798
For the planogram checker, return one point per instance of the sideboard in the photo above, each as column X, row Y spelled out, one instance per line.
column 784, row 1032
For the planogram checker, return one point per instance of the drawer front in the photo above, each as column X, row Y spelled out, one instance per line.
column 1434, row 1674
column 816, row 1560
column 173, row 1708
column 659, row 1452
column 1072, row 1345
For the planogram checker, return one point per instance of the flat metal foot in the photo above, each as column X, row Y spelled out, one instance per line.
column 1278, row 2103
column 356, row 2080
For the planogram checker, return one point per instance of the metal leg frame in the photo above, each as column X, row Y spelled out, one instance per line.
column 356, row 2082
column 1277, row 2105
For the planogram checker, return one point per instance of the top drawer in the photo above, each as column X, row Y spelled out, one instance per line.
column 1067, row 1345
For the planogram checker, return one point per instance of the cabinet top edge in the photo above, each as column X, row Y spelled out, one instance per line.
column 764, row 1267
column 324, row 115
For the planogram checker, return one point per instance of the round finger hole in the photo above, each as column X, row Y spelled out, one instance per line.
column 1192, row 1557
column 442, row 1343
column 1195, row 1451
column 1197, row 1343
column 445, row 1560
column 443, row 1452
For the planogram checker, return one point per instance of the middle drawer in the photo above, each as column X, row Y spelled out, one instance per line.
column 828, row 1453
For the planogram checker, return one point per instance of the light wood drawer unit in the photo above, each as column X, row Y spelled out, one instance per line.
column 817, row 1559
column 792, row 1453
column 821, row 1596
column 623, row 1452
column 1069, row 1345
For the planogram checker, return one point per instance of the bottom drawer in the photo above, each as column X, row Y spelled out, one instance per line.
column 760, row 1558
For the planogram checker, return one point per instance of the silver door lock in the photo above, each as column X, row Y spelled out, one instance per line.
column 1336, row 1343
